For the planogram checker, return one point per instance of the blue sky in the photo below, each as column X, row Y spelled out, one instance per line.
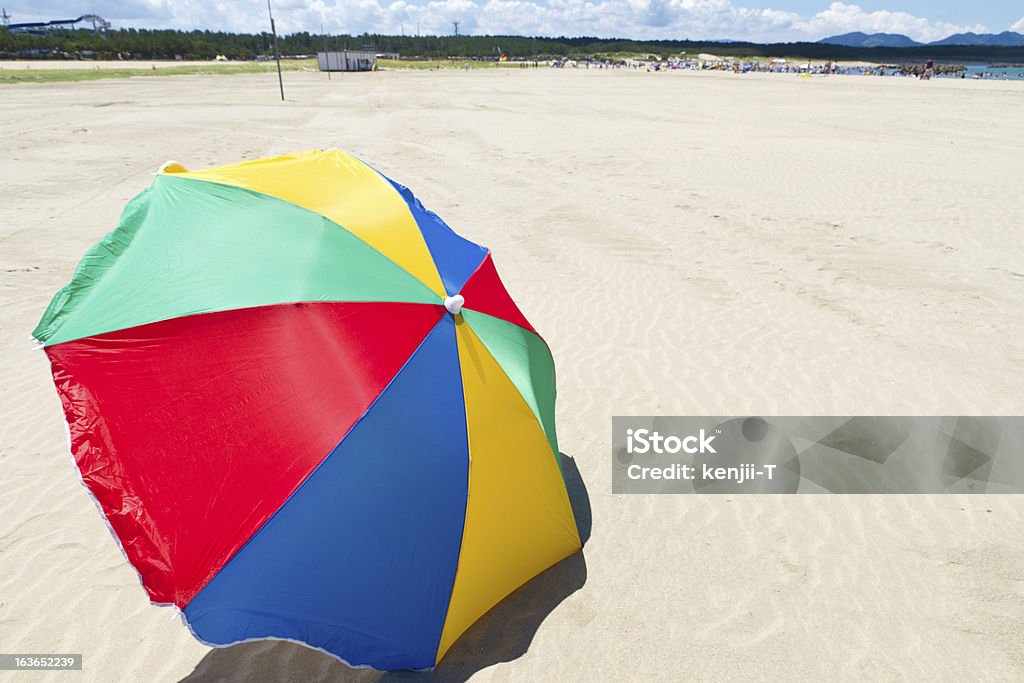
column 758, row 20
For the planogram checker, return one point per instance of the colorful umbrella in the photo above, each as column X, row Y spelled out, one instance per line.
column 291, row 424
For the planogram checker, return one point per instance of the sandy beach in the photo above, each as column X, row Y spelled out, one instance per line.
column 687, row 243
column 104, row 65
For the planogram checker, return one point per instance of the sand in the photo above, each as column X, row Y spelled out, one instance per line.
column 688, row 244
column 100, row 64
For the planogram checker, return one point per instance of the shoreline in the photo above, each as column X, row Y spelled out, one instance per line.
column 21, row 72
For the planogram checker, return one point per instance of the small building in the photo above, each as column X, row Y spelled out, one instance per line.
column 347, row 60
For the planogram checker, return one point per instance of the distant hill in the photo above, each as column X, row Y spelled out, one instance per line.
column 1005, row 38
column 859, row 39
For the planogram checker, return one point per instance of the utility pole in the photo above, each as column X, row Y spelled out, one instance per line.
column 454, row 23
column 277, row 53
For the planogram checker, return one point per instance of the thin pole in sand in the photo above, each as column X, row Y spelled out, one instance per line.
column 277, row 53
column 327, row 57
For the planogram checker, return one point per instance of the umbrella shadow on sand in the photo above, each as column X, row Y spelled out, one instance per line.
column 501, row 635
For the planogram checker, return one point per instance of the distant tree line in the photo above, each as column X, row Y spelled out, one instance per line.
column 166, row 44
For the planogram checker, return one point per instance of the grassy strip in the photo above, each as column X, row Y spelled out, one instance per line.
column 66, row 75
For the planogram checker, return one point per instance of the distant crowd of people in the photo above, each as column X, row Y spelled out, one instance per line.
column 923, row 71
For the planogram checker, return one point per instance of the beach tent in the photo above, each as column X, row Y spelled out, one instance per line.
column 309, row 410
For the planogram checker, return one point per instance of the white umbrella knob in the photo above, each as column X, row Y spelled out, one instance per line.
column 454, row 303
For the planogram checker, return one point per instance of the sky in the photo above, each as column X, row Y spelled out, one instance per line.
column 754, row 20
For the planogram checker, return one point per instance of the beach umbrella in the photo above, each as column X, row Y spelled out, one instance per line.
column 309, row 410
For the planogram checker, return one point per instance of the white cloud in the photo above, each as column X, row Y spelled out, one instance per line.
column 641, row 19
column 1019, row 26
column 843, row 18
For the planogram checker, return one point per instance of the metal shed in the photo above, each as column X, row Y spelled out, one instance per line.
column 346, row 60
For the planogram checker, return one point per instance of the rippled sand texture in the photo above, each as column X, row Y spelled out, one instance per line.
column 688, row 244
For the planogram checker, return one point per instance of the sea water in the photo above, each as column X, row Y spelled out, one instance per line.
column 1001, row 72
